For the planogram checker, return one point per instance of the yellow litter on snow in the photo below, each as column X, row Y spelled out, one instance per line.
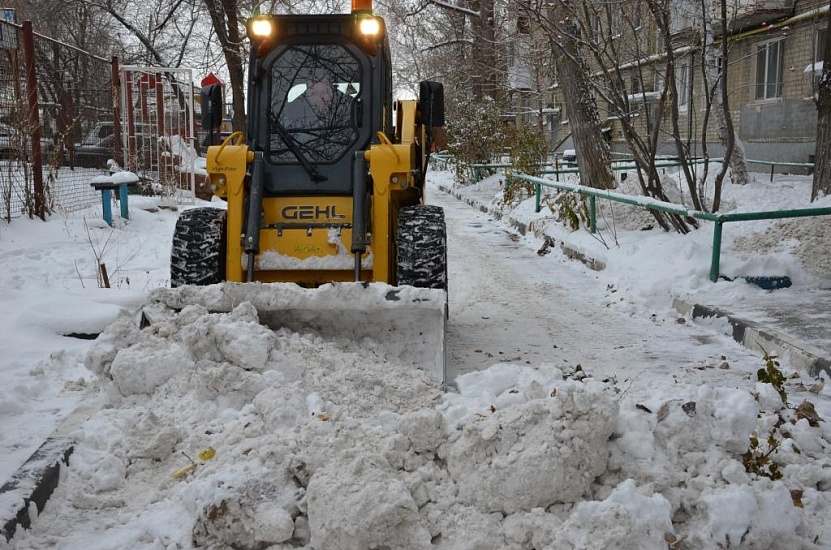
column 204, row 455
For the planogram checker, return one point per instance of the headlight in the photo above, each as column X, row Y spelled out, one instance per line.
column 369, row 26
column 260, row 28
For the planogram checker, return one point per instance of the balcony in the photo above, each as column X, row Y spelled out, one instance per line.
column 686, row 18
column 752, row 13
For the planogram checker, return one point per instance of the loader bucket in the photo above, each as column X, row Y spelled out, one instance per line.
column 409, row 322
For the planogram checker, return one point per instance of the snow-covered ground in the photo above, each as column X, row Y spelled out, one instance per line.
column 209, row 430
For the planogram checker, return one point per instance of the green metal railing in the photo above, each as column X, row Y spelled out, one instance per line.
column 653, row 204
column 440, row 161
column 807, row 165
column 617, row 166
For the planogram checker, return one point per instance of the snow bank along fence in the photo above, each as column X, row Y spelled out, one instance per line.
column 65, row 112
column 481, row 170
column 653, row 204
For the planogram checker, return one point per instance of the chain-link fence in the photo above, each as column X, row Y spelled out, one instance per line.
column 51, row 97
column 67, row 116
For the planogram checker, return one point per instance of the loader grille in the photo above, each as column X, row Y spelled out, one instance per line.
column 317, row 28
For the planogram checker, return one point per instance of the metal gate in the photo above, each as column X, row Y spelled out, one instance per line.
column 158, row 140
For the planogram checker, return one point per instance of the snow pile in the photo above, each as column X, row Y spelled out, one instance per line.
column 807, row 239
column 558, row 442
column 216, row 431
column 690, row 451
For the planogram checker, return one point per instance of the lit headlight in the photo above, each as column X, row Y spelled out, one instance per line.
column 369, row 26
column 260, row 28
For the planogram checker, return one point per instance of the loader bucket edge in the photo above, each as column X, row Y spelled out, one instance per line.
column 410, row 322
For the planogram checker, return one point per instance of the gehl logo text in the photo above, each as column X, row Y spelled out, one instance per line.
column 311, row 212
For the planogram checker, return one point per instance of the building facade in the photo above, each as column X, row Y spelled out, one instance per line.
column 774, row 59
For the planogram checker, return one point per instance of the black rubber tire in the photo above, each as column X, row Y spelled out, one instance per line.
column 421, row 244
column 197, row 256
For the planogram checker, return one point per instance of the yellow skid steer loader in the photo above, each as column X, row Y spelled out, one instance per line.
column 325, row 224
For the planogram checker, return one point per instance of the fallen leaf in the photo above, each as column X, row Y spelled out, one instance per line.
column 817, row 388
column 796, row 496
column 663, row 411
column 807, row 411
column 689, row 408
column 724, row 366
column 642, row 407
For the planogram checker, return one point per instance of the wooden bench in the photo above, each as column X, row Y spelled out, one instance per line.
column 107, row 184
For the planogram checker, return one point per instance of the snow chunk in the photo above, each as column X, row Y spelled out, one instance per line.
column 363, row 504
column 238, row 337
column 626, row 520
column 142, row 368
column 254, row 516
column 753, row 517
column 424, row 429
column 534, row 454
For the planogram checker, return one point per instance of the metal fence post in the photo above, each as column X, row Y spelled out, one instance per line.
column 538, row 196
column 33, row 120
column 592, row 214
column 714, row 262
column 118, row 149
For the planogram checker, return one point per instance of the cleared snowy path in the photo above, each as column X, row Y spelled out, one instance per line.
column 508, row 303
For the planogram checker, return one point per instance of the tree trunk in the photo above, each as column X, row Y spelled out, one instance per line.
column 822, row 154
column 226, row 24
column 733, row 149
column 484, row 49
column 727, row 134
column 593, row 157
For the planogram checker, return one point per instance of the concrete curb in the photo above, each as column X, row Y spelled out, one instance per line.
column 33, row 484
column 35, row 481
column 527, row 228
column 749, row 334
column 761, row 339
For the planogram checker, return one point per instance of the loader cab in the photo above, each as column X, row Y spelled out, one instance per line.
column 319, row 91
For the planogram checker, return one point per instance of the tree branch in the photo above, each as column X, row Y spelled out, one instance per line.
column 455, row 8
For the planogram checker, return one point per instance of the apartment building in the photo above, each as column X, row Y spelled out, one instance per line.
column 775, row 50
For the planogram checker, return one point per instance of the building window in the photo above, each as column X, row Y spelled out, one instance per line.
column 814, row 70
column 635, row 86
column 660, row 45
column 769, row 70
column 659, row 82
column 596, row 29
column 682, row 84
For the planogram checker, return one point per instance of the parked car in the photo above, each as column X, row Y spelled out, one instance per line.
column 94, row 154
column 8, row 140
column 98, row 146
column 569, row 156
column 13, row 145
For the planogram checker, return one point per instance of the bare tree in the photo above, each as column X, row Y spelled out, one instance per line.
column 822, row 160
column 470, row 44
column 565, row 31
column 427, row 43
column 716, row 61
column 645, row 77
column 227, row 26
